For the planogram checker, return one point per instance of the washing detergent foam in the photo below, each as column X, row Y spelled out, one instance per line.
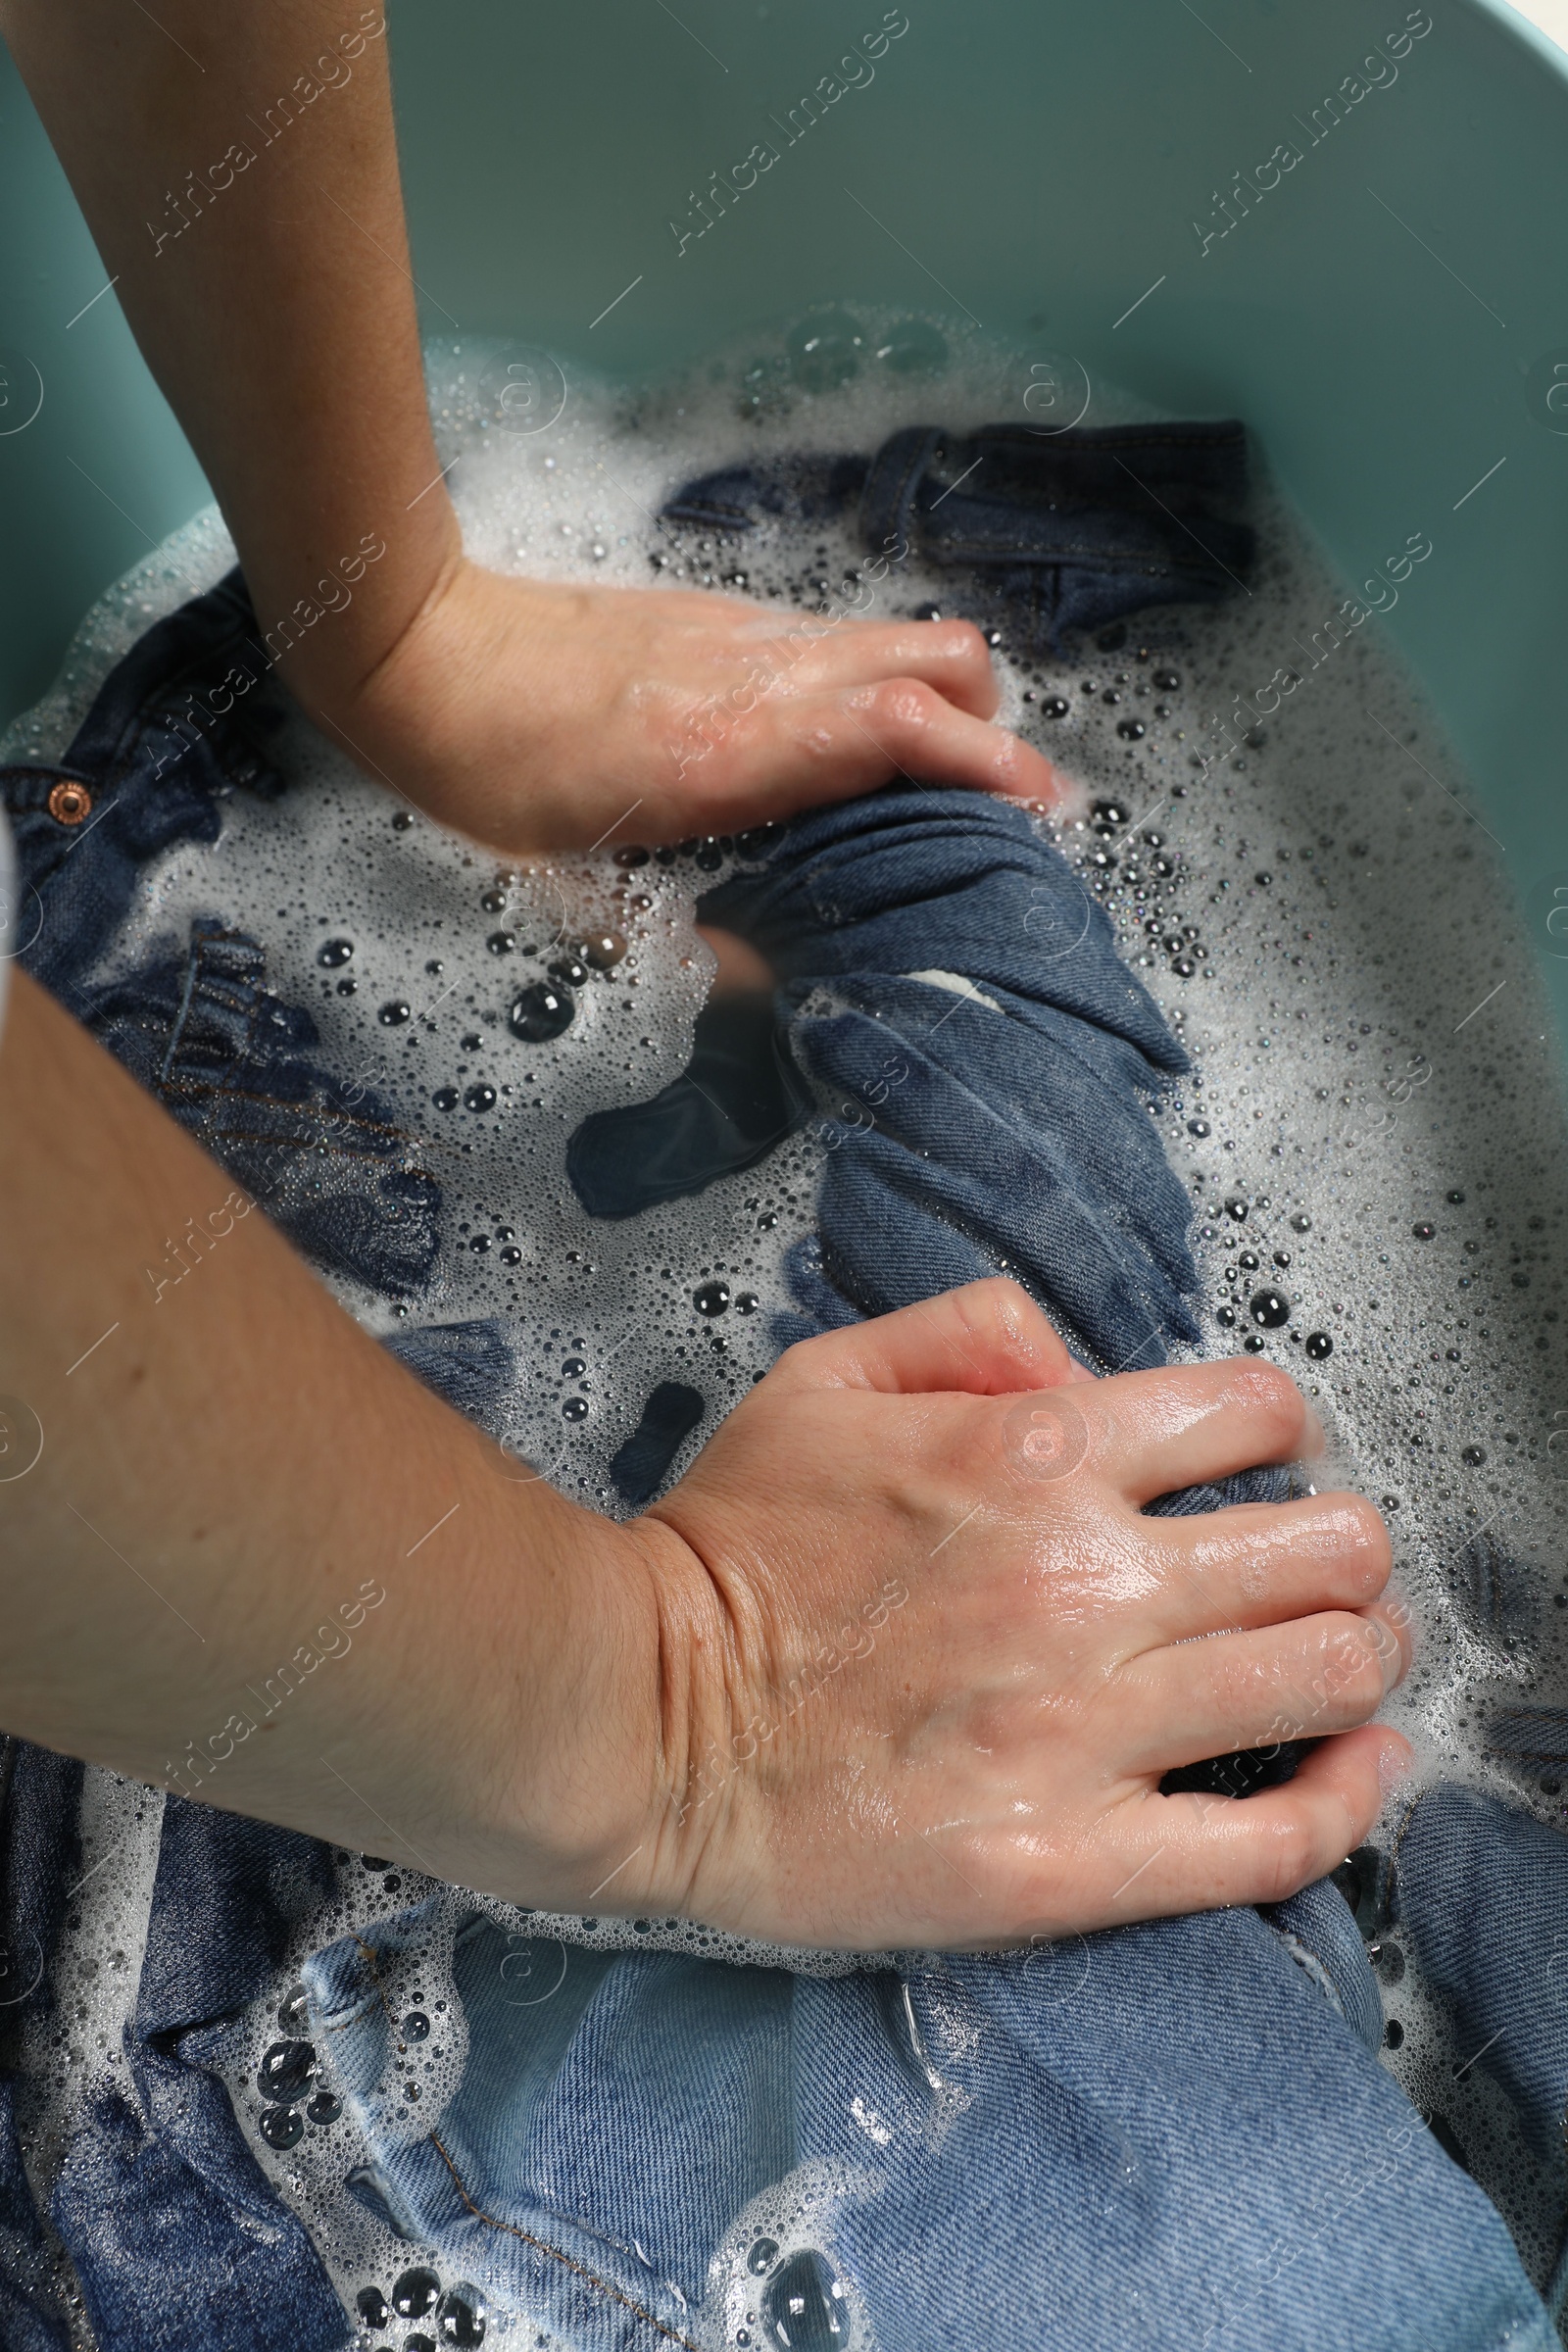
column 1372, row 1133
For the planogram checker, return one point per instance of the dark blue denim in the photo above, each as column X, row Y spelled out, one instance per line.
column 176, row 2235
column 166, row 741
column 1071, row 531
column 41, row 1858
column 964, row 1138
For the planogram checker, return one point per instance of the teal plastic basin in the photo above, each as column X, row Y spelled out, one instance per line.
column 1386, row 311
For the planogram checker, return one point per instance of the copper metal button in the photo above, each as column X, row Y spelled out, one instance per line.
column 70, row 804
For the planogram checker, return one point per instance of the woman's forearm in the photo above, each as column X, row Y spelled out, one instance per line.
column 254, row 1560
column 239, row 174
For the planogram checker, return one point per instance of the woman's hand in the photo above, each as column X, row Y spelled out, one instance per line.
column 536, row 715
column 925, row 1660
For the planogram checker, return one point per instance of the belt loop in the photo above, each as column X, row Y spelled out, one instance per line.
column 888, row 497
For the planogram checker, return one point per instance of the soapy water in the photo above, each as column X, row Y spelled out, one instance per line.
column 1372, row 1133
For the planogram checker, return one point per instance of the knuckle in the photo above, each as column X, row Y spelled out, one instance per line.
column 963, row 638
column 904, row 703
column 1367, row 1544
column 1272, row 1402
column 1287, row 1858
column 995, row 1306
column 1354, row 1652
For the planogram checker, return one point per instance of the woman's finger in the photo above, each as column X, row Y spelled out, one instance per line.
column 1303, row 1681
column 987, row 1339
column 1260, row 1563
column 1195, row 1852
column 951, row 656
column 1259, row 1849
column 1190, row 1423
column 786, row 754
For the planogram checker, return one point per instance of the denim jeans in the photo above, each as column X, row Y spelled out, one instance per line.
column 1175, row 2133
column 1069, row 530
column 1005, row 1129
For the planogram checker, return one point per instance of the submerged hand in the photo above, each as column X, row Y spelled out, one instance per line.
column 537, row 716
column 926, row 1660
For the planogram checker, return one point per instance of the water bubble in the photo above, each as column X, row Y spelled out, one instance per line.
column 445, row 1098
column 501, row 943
column 1237, row 1207
column 325, row 2108
column 825, row 350
column 630, row 854
column 1270, row 1308
column 541, row 1012
column 1300, row 1222
column 1133, row 729
column 1475, row 1455
column 567, row 971
column 285, row 2070
column 1457, row 1199
column 414, row 2292
column 712, row 1298
column 576, row 1408
column 913, row 348
column 281, row 2127
column 1167, row 680
column 803, row 2306
column 480, row 1097
column 1249, row 1260
column 334, row 952
column 1199, row 1128
column 416, row 2025
column 1319, row 1345
column 294, row 2009
column 460, row 2318
column 394, row 1014
column 747, row 1302
column 1387, row 1959
column 373, row 2307
column 604, row 950
column 763, row 2253
column 1055, row 706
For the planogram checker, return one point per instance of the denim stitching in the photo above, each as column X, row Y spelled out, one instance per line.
column 541, row 2247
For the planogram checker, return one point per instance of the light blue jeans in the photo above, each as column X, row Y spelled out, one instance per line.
column 1173, row 2136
